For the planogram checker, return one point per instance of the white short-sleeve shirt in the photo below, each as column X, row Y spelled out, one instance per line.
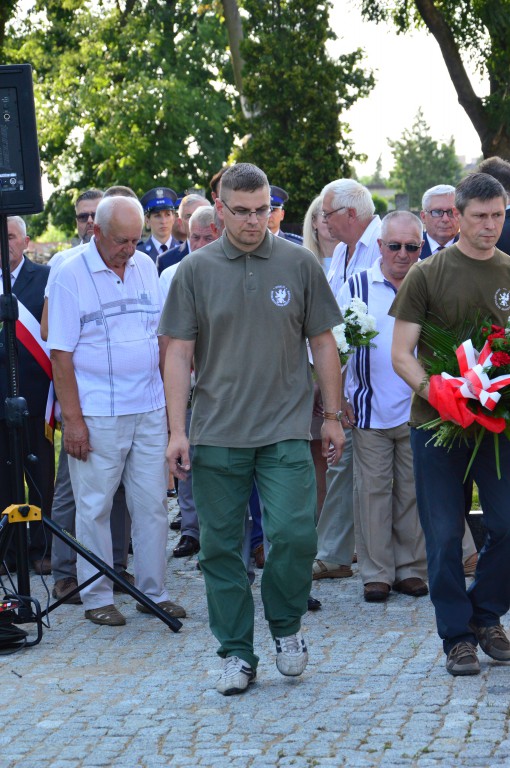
column 110, row 325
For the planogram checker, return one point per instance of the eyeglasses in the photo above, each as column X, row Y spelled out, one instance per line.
column 243, row 214
column 438, row 213
column 410, row 247
column 326, row 216
column 83, row 217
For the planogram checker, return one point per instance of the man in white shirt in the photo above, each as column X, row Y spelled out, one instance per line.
column 106, row 370
column 389, row 539
column 63, row 511
column 348, row 210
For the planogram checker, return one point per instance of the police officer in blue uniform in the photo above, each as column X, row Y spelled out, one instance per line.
column 278, row 199
column 159, row 205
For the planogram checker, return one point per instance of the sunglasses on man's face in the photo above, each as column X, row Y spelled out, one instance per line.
column 83, row 217
column 410, row 247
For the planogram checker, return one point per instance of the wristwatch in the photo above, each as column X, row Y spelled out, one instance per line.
column 333, row 416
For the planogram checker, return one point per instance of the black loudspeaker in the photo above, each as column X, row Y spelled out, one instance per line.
column 20, row 173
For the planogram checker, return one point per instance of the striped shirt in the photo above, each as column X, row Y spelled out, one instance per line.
column 380, row 399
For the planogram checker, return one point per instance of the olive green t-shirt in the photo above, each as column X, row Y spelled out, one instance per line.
column 448, row 289
column 249, row 315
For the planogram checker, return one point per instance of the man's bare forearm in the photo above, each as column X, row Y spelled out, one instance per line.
column 66, row 387
column 327, row 366
column 405, row 363
column 76, row 433
column 177, row 379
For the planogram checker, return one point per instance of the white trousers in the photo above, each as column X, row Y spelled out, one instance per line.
column 132, row 449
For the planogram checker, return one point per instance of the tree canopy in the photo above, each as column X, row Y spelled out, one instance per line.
column 478, row 31
column 137, row 95
column 421, row 162
column 142, row 92
column 295, row 94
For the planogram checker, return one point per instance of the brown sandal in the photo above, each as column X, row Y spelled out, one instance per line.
column 107, row 614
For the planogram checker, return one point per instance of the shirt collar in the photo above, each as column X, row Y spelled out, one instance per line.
column 264, row 250
column 434, row 245
column 95, row 261
column 158, row 245
column 368, row 235
column 15, row 272
column 375, row 272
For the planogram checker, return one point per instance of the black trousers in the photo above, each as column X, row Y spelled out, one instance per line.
column 40, row 478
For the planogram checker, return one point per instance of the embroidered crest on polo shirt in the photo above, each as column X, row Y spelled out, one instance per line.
column 280, row 295
column 502, row 298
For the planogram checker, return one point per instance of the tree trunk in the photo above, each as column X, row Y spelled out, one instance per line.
column 235, row 36
column 494, row 137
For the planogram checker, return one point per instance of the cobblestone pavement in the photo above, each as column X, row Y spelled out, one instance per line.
column 375, row 692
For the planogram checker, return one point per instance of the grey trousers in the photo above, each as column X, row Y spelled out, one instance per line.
column 389, row 538
column 335, row 529
column 189, row 517
column 63, row 512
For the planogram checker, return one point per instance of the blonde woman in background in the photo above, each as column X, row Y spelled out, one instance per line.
column 316, row 235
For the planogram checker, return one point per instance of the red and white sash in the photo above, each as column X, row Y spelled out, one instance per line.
column 28, row 333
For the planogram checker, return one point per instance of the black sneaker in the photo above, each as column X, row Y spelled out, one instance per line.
column 493, row 641
column 462, row 660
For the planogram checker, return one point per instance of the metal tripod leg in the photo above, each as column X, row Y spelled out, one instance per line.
column 106, row 570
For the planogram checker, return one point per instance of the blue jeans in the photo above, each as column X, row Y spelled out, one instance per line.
column 439, row 477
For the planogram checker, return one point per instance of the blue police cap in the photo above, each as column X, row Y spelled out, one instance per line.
column 278, row 196
column 159, row 199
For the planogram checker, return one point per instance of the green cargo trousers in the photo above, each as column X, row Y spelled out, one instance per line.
column 222, row 483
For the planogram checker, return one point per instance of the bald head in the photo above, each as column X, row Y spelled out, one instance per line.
column 117, row 229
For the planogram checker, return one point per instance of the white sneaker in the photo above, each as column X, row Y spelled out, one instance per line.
column 236, row 676
column 291, row 654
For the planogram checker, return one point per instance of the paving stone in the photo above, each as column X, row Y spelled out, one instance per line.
column 375, row 694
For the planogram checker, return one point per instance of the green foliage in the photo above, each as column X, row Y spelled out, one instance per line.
column 421, row 162
column 131, row 93
column 297, row 93
column 376, row 179
column 381, row 205
column 464, row 18
column 475, row 30
column 139, row 92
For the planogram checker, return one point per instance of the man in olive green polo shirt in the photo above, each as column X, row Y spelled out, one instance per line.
column 242, row 308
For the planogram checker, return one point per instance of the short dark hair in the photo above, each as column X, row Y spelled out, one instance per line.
column 477, row 186
column 244, row 177
column 119, row 191
column 498, row 168
column 90, row 194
